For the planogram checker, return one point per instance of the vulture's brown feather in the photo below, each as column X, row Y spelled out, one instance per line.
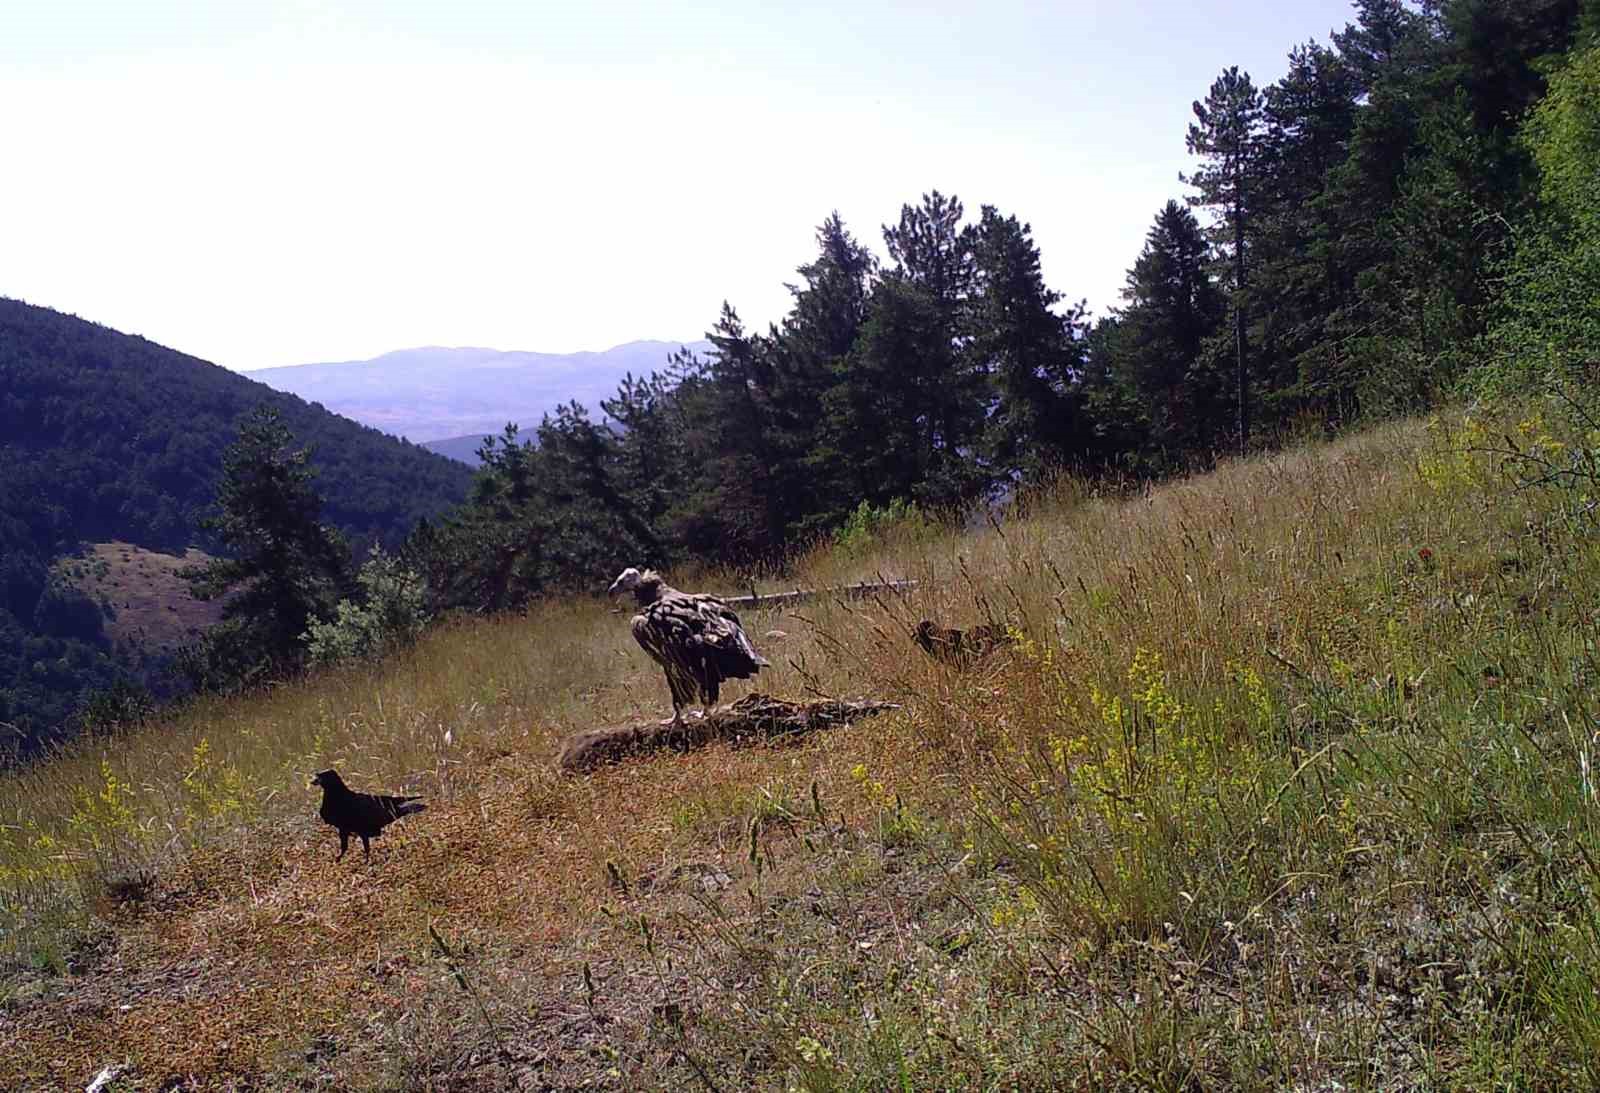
column 697, row 639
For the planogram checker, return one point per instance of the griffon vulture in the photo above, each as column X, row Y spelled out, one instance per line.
column 697, row 639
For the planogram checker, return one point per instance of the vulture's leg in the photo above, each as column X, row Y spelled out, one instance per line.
column 344, row 843
column 680, row 694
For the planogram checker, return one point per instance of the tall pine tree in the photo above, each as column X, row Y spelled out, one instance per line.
column 1227, row 136
column 1032, row 354
column 283, row 569
column 1299, row 278
column 934, row 254
column 1173, row 307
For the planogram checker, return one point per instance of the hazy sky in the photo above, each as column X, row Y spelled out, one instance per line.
column 265, row 183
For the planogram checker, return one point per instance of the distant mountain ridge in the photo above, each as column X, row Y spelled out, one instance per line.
column 437, row 393
column 463, row 448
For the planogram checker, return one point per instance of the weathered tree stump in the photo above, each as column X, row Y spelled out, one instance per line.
column 755, row 716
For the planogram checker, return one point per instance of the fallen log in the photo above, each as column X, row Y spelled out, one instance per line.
column 755, row 716
column 860, row 591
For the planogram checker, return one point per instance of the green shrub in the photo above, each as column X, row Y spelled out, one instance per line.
column 122, row 704
column 1549, row 324
column 868, row 525
column 391, row 616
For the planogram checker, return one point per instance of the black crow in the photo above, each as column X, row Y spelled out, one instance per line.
column 363, row 814
column 696, row 639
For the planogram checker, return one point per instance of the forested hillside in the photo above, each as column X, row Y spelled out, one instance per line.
column 1282, row 775
column 1410, row 209
column 106, row 436
column 1406, row 215
column 115, row 435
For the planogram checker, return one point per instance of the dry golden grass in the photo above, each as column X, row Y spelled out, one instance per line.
column 1236, row 813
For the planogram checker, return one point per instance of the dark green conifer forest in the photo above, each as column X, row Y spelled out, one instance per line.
column 1408, row 214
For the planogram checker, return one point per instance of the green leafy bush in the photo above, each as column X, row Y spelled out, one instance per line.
column 869, row 524
column 1549, row 328
column 124, row 703
column 392, row 615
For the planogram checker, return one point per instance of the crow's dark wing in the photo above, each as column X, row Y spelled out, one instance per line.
column 395, row 807
column 367, row 813
column 381, row 811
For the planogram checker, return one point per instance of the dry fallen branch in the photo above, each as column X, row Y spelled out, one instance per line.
column 755, row 716
column 757, row 602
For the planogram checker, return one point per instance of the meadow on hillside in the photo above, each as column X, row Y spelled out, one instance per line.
column 1288, row 783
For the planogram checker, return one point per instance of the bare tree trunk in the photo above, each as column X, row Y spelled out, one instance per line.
column 805, row 595
column 1239, row 347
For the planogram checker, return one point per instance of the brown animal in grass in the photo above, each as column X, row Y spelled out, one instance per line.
column 959, row 647
column 363, row 814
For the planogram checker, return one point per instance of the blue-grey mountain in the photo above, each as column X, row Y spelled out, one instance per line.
column 442, row 394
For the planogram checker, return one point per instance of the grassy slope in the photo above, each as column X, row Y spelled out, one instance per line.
column 1289, row 785
column 153, row 610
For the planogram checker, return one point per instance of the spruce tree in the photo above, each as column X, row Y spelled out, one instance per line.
column 283, row 569
column 650, row 461
column 934, row 256
column 878, row 438
column 1031, row 353
column 791, row 372
column 1299, row 277
column 1173, row 306
column 1227, row 136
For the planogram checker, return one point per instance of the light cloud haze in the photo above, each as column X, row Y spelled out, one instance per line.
column 274, row 183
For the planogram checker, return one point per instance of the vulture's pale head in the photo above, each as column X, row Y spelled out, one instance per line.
column 626, row 581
